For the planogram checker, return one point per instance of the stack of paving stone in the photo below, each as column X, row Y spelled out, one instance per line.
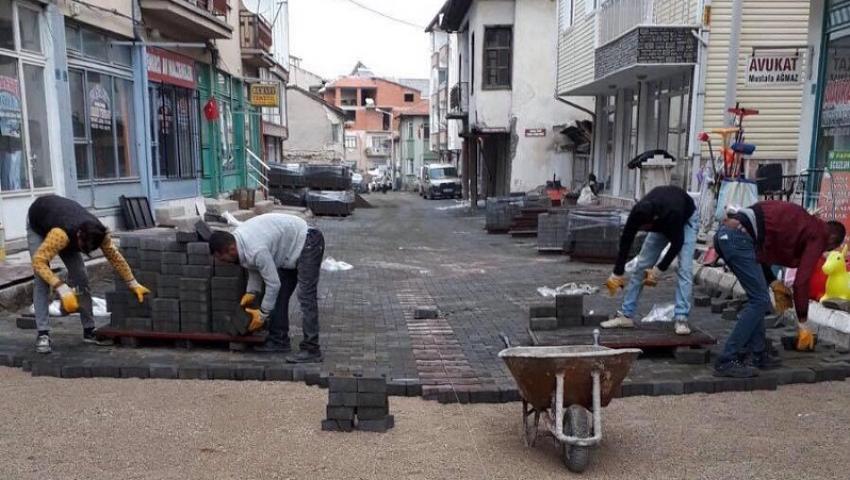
column 288, row 184
column 358, row 402
column 187, row 287
column 594, row 234
column 565, row 311
column 501, row 212
column 176, row 216
column 524, row 224
column 552, row 228
column 330, row 190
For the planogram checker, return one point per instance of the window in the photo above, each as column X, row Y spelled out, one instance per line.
column 368, row 94
column 350, row 115
column 497, row 58
column 409, row 129
column 426, row 132
column 566, row 10
column 29, row 29
column 350, row 141
column 335, row 132
column 7, row 33
column 408, row 98
column 386, row 121
column 175, row 124
column 472, row 66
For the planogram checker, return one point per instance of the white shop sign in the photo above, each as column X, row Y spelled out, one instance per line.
column 772, row 69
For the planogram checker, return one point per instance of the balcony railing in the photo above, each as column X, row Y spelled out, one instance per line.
column 616, row 17
column 216, row 7
column 256, row 31
column 459, row 100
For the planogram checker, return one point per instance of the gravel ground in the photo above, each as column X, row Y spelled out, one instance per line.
column 149, row 429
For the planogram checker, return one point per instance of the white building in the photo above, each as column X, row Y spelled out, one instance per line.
column 505, row 93
column 316, row 133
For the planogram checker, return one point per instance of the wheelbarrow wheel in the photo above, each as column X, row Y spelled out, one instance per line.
column 576, row 424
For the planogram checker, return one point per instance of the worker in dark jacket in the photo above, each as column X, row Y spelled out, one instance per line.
column 59, row 226
column 770, row 233
column 670, row 216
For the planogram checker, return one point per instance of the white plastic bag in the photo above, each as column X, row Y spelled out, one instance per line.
column 231, row 220
column 631, row 265
column 586, row 197
column 55, row 309
column 660, row 313
column 331, row 265
column 568, row 289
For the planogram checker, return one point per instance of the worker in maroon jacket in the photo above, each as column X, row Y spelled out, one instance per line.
column 769, row 233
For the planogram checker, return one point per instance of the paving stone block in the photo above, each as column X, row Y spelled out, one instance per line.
column 173, row 258
column 371, row 399
column 166, row 372
column 199, row 260
column 765, row 382
column 128, row 240
column 198, row 297
column 46, row 368
column 487, row 395
column 221, row 372
column 692, row 356
column 717, row 305
column 197, row 271
column 187, row 237
column 198, row 248
column 165, row 305
column 227, row 269
column 340, row 413
column 541, row 310
column 135, row 372
column 639, row 388
column 509, row 394
column 139, row 323
column 171, row 293
column 250, row 372
column 376, row 426
column 698, row 385
column 312, row 378
column 342, row 399
column 25, row 323
column 723, row 384
column 829, row 373
column 283, row 374
column 75, row 371
column 166, row 322
column 730, row 314
column 153, row 266
column 329, row 425
column 339, row 384
column 672, row 387
column 396, row 389
column 219, row 206
column 104, row 371
column 543, row 324
column 187, row 306
column 192, row 373
column 232, row 285
column 425, row 313
column 372, row 385
column 593, row 320
column 172, row 269
column 170, row 281
column 155, row 244
column 223, row 305
column 372, row 413
column 702, row 300
column 194, row 323
column 569, row 310
column 194, row 285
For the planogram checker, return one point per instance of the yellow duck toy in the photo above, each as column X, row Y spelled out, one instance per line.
column 838, row 279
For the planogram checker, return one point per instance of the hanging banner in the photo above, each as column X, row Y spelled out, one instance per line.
column 172, row 68
column 770, row 69
column 100, row 108
column 835, row 187
column 265, row 94
column 11, row 115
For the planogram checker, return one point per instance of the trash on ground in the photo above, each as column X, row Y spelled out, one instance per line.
column 568, row 289
column 231, row 220
column 55, row 310
column 660, row 313
column 332, row 265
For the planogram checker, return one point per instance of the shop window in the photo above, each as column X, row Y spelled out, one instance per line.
column 30, row 31
column 37, row 126
column 95, row 45
column 7, row 33
column 73, row 41
column 228, row 163
column 498, row 44
column 176, row 127
column 13, row 169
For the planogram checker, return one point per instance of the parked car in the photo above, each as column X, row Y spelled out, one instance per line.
column 439, row 181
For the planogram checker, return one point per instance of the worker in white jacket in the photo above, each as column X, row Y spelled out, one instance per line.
column 282, row 252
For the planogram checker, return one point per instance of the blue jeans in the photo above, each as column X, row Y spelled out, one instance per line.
column 738, row 251
column 648, row 257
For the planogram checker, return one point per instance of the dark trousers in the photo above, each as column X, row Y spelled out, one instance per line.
column 738, row 251
column 305, row 276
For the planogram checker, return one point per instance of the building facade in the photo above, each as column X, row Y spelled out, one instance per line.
column 103, row 99
column 445, row 131
column 659, row 73
column 415, row 143
column 317, row 129
column 511, row 122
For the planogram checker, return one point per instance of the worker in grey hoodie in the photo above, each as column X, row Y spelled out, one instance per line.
column 282, row 252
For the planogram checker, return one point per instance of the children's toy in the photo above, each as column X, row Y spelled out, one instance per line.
column 838, row 281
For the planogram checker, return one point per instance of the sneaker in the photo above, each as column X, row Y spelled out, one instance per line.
column 92, row 339
column 305, row 356
column 273, row 347
column 619, row 321
column 764, row 361
column 735, row 369
column 43, row 344
column 682, row 327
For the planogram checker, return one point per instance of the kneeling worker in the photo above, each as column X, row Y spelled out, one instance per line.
column 770, row 233
column 283, row 252
column 670, row 216
column 60, row 226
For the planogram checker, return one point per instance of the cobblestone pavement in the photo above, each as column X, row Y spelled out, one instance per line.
column 408, row 252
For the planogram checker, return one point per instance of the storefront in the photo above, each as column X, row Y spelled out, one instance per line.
column 223, row 136
column 29, row 141
column 101, row 86
column 175, row 125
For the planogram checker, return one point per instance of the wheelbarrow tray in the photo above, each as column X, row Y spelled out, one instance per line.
column 534, row 370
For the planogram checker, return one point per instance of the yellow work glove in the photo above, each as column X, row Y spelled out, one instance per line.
column 805, row 338
column 615, row 283
column 139, row 290
column 247, row 299
column 782, row 299
column 651, row 276
column 69, row 299
column 258, row 319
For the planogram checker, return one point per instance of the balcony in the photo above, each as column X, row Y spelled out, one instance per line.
column 256, row 40
column 459, row 101
column 378, row 151
column 188, row 19
column 617, row 17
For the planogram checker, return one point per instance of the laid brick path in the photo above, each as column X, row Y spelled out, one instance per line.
column 408, row 252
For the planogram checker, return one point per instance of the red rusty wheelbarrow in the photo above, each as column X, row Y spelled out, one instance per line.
column 564, row 383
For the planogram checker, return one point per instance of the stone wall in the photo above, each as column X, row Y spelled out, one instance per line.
column 646, row 45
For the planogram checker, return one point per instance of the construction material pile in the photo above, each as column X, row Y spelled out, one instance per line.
column 325, row 189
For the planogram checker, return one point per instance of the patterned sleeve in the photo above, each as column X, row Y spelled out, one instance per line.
column 55, row 241
column 116, row 259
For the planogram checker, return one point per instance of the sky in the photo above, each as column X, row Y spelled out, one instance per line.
column 331, row 36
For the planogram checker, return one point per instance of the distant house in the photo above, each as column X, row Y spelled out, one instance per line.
column 316, row 129
column 414, row 146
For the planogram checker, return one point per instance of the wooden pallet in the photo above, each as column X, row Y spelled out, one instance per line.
column 643, row 337
column 135, row 338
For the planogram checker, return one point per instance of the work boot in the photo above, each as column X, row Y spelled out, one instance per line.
column 619, row 321
column 305, row 356
column 681, row 326
column 92, row 339
column 734, row 369
column 272, row 346
column 43, row 344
